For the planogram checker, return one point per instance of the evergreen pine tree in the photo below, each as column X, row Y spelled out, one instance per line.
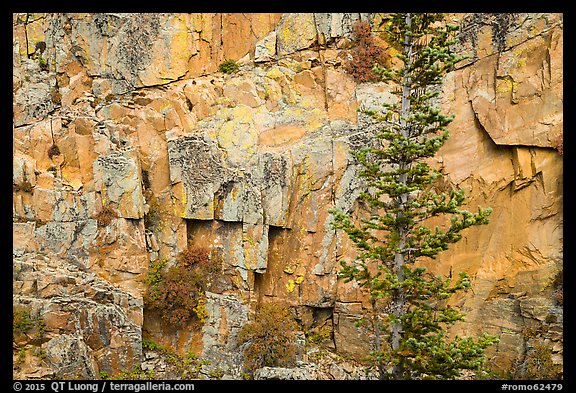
column 410, row 314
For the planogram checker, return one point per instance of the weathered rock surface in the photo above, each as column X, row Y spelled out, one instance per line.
column 128, row 113
column 90, row 326
column 515, row 91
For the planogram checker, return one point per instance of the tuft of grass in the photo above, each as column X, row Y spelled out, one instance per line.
column 24, row 322
column 229, row 66
column 42, row 63
column 21, row 355
column 187, row 366
column 137, row 374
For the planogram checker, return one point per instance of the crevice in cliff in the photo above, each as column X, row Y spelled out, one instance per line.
column 250, row 25
column 49, row 113
column 279, row 258
column 258, row 292
column 276, row 237
column 319, row 49
column 317, row 324
column 26, row 35
column 168, row 82
column 221, row 28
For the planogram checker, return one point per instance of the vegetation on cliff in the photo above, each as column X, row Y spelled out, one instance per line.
column 269, row 340
column 410, row 308
column 178, row 292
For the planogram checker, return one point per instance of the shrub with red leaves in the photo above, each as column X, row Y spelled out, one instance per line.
column 365, row 53
column 178, row 292
column 558, row 143
column 190, row 257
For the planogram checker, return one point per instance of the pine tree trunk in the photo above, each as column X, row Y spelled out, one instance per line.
column 380, row 365
column 399, row 299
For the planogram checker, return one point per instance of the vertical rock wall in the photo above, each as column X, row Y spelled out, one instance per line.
column 130, row 146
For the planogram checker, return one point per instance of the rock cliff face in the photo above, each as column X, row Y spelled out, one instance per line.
column 130, row 145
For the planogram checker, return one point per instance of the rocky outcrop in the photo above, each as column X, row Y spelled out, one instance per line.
column 130, row 146
column 88, row 325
